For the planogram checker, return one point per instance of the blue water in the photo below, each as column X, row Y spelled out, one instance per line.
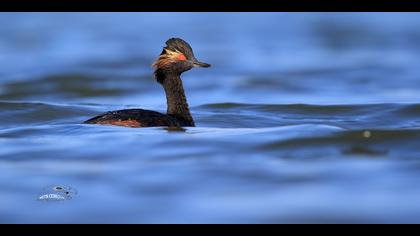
column 302, row 118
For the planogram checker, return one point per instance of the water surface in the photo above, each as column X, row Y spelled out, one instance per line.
column 303, row 118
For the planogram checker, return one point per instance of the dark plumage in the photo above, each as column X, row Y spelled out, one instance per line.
column 135, row 118
column 176, row 58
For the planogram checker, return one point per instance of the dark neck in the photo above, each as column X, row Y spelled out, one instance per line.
column 175, row 97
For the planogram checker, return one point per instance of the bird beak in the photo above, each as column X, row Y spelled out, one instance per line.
column 201, row 64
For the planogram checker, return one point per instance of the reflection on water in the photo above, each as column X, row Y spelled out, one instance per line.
column 302, row 118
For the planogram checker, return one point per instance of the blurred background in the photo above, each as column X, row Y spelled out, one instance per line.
column 303, row 118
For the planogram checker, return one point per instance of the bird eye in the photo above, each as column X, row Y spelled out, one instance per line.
column 182, row 57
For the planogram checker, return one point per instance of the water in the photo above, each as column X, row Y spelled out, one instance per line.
column 303, row 118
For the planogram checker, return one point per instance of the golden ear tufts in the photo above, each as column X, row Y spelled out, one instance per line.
column 167, row 58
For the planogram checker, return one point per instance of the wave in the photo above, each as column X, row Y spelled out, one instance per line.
column 233, row 115
column 386, row 115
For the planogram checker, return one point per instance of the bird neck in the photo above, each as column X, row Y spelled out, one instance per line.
column 175, row 97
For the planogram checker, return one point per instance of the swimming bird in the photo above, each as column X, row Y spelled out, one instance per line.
column 177, row 57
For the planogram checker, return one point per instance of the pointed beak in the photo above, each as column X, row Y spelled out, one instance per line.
column 201, row 64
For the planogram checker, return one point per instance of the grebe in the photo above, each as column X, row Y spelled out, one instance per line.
column 176, row 58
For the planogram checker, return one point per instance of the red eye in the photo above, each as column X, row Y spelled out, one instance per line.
column 181, row 57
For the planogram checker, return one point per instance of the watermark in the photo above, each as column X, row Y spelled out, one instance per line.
column 57, row 193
